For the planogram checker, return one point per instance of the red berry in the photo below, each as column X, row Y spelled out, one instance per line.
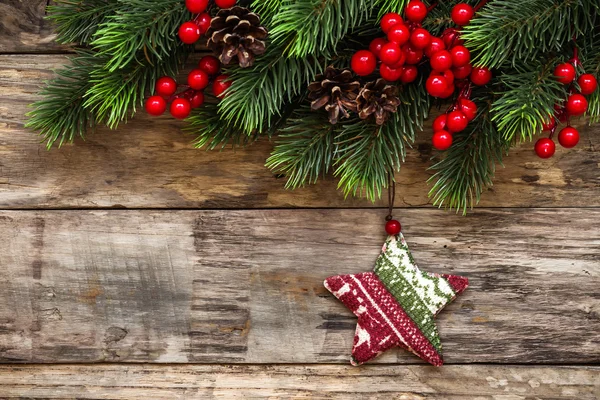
column 545, row 148
column 462, row 72
column 568, row 137
column 462, row 14
column 220, row 85
column 363, row 62
column 468, row 107
column 565, row 73
column 389, row 20
column 460, row 56
column 413, row 56
column 399, row 34
column 481, row 76
column 156, row 105
column 189, row 32
column 376, row 45
column 420, row 38
column 576, row 104
column 441, row 61
column 457, row 121
column 390, row 74
column 225, row 3
column 449, row 91
column 210, row 65
column 197, row 99
column 435, row 44
column 165, row 86
column 409, row 74
column 393, row 227
column 198, row 79
column 561, row 113
column 449, row 76
column 390, row 54
column 416, row 11
column 442, row 140
column 451, row 38
column 439, row 124
column 400, row 62
column 203, row 21
column 436, row 85
column 196, row 6
column 180, row 108
column 549, row 124
column 587, row 83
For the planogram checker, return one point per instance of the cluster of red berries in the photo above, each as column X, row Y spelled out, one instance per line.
column 454, row 120
column 575, row 105
column 193, row 97
column 191, row 31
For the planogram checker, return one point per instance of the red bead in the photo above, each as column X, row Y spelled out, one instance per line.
column 165, row 86
column 481, row 76
column 462, row 14
column 468, row 107
column 409, row 74
column 457, row 121
column 587, row 83
column 220, row 85
column 545, row 148
column 189, row 32
column 198, row 79
column 389, row 20
column 399, row 34
column 460, row 56
column 413, row 56
column 155, row 105
column 181, row 108
column 416, row 11
column 197, row 99
column 549, row 124
column 363, row 62
column 565, row 73
column 435, row 44
column 420, row 38
column 576, row 104
column 376, row 45
column 390, row 74
column 441, row 61
column 225, row 3
column 568, row 137
column 436, row 85
column 390, row 54
column 462, row 72
column 393, row 227
column 210, row 65
column 203, row 21
column 442, row 140
column 439, row 124
column 196, row 6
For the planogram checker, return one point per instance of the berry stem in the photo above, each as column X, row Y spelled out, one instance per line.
column 431, row 7
column 480, row 4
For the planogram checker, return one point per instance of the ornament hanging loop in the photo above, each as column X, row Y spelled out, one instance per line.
column 391, row 196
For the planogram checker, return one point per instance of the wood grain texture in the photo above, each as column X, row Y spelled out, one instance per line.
column 150, row 163
column 246, row 286
column 146, row 382
column 23, row 28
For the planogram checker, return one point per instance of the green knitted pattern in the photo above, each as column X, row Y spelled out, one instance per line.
column 421, row 295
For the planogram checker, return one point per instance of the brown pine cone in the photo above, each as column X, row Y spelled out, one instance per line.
column 336, row 90
column 379, row 98
column 237, row 32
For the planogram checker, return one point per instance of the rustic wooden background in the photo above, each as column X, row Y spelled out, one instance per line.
column 133, row 266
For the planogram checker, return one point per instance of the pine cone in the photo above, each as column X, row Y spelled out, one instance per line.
column 237, row 32
column 335, row 90
column 377, row 98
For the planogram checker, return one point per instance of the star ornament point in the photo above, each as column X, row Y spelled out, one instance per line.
column 396, row 304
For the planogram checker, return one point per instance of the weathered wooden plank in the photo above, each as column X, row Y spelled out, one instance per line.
column 246, row 286
column 23, row 28
column 151, row 163
column 465, row 382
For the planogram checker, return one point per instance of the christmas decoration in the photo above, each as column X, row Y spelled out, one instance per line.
column 511, row 69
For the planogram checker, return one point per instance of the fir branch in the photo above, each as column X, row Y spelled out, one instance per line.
column 210, row 131
column 77, row 21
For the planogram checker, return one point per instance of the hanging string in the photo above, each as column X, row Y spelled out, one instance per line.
column 391, row 196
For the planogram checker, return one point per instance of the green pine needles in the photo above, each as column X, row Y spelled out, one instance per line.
column 124, row 46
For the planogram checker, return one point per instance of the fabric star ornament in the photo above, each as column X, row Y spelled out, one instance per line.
column 396, row 304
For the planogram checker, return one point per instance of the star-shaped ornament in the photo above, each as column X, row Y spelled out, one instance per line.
column 396, row 304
